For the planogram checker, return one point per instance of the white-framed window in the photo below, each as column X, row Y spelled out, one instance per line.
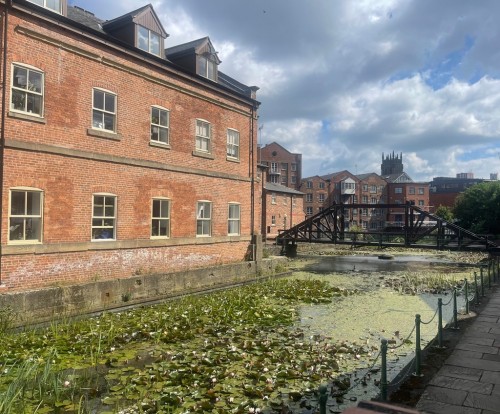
column 54, row 5
column 284, row 180
column 309, row 211
column 398, row 190
column 293, row 179
column 421, row 190
column 233, row 143
column 364, row 224
column 233, row 219
column 202, row 135
column 373, row 200
column 274, row 179
column 309, row 184
column 421, row 203
column 273, row 220
column 293, row 166
column 309, row 198
column 25, row 215
column 207, row 67
column 274, row 168
column 411, row 190
column 160, row 121
column 284, row 166
column 321, row 198
column 365, row 187
column 373, row 189
column 365, row 199
column 103, row 110
column 160, row 218
column 148, row 40
column 364, row 212
column 273, row 198
column 204, row 218
column 103, row 217
column 321, row 185
column 27, row 90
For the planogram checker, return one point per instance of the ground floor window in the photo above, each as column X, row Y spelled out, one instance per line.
column 233, row 221
column 25, row 215
column 103, row 217
column 203, row 218
column 160, row 218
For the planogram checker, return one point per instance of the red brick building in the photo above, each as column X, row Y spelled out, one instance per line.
column 284, row 167
column 116, row 160
column 316, row 192
column 282, row 208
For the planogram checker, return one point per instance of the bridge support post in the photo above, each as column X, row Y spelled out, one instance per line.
column 291, row 250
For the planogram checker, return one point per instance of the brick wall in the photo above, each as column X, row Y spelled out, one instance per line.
column 60, row 155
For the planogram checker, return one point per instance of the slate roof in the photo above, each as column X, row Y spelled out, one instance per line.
column 278, row 188
column 86, row 18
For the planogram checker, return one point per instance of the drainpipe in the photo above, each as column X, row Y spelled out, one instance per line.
column 8, row 4
column 252, row 176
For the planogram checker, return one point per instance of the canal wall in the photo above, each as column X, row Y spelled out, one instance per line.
column 58, row 302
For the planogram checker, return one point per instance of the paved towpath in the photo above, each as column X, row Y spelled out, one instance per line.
column 469, row 381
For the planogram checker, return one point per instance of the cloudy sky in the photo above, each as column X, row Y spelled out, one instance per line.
column 344, row 81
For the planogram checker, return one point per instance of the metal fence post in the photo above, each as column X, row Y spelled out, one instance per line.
column 477, row 288
column 466, row 297
column 455, row 310
column 489, row 274
column 440, row 322
column 323, row 397
column 482, row 281
column 383, row 373
column 417, row 346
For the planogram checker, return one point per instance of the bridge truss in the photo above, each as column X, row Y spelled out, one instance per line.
column 418, row 229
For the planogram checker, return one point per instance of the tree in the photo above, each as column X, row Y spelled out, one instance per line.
column 445, row 213
column 478, row 208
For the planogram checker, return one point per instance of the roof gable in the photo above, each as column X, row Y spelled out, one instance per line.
column 144, row 16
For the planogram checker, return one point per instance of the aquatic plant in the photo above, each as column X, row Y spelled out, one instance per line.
column 229, row 351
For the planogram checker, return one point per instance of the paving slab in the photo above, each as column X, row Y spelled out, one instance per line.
column 445, row 395
column 484, row 349
column 478, row 340
column 485, row 402
column 467, row 354
column 490, row 377
column 461, row 384
column 471, row 374
column 473, row 363
column 433, row 407
column 491, row 357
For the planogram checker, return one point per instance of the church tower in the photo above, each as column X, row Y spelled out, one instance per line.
column 392, row 164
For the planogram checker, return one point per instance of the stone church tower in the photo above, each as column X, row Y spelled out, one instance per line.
column 392, row 164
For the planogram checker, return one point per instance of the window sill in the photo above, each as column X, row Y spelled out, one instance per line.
column 104, row 134
column 27, row 117
column 232, row 159
column 159, row 145
column 206, row 155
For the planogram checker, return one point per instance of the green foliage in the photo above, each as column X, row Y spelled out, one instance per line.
column 228, row 351
column 7, row 318
column 445, row 213
column 478, row 208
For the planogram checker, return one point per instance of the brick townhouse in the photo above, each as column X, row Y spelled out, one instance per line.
column 119, row 155
column 284, row 167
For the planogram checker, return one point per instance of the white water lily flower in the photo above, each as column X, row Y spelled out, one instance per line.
column 67, row 384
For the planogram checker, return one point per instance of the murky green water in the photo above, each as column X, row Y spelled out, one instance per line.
column 375, row 313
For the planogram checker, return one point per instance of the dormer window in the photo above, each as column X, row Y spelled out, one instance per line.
column 54, row 5
column 207, row 67
column 148, row 40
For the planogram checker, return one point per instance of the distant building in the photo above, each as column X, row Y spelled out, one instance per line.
column 285, row 167
column 282, row 208
column 445, row 190
column 316, row 192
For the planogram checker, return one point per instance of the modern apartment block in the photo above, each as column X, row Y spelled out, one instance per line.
column 445, row 190
column 284, row 167
column 119, row 155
